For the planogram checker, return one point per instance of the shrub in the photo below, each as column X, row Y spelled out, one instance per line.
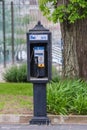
column 11, row 74
column 55, row 74
column 22, row 73
column 16, row 74
column 67, row 97
column 56, row 79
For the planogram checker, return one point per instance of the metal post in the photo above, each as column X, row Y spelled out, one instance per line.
column 40, row 113
column 12, row 28
column 4, row 44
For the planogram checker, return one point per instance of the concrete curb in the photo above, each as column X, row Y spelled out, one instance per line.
column 55, row 119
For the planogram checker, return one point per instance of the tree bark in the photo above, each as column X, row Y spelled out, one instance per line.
column 81, row 47
column 70, row 61
column 75, row 49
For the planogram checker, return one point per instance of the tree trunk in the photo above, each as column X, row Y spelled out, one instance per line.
column 75, row 49
column 81, row 47
column 70, row 62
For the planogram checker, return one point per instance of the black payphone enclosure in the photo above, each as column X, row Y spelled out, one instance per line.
column 39, row 55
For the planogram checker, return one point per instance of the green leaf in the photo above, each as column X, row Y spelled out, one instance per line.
column 72, row 11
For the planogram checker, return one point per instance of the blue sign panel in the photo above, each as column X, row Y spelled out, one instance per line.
column 38, row 37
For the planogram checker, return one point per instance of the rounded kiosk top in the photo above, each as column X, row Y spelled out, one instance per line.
column 39, row 27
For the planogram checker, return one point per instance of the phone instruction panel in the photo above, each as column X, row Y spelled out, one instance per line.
column 39, row 54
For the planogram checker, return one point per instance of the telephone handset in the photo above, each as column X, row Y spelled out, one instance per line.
column 39, row 61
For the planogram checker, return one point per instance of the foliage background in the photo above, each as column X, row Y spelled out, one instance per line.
column 64, row 10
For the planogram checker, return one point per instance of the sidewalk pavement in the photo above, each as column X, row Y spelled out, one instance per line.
column 55, row 119
column 21, row 122
column 43, row 127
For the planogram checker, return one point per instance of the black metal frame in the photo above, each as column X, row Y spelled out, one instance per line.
column 39, row 84
column 39, row 29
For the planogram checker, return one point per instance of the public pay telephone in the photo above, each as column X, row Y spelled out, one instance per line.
column 39, row 54
column 39, row 61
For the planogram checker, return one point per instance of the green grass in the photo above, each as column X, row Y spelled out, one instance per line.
column 16, row 89
column 16, row 98
column 2, row 105
column 65, row 96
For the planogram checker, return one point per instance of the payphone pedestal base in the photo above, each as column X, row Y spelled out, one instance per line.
column 40, row 113
column 40, row 121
